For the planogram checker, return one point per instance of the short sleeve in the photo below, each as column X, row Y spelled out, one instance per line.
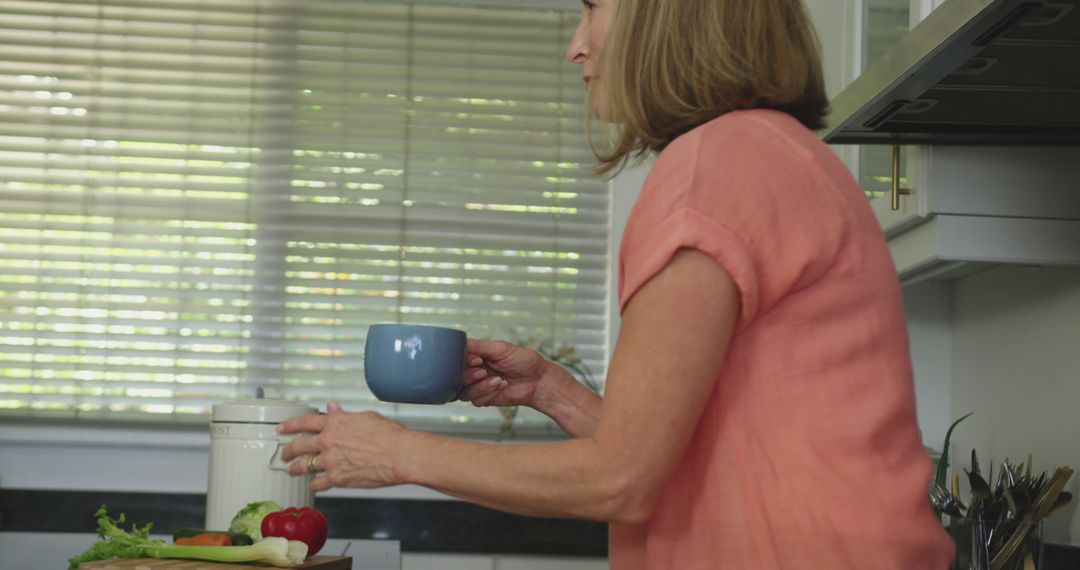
column 652, row 248
column 746, row 196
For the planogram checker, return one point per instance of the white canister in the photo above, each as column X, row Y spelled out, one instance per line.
column 245, row 459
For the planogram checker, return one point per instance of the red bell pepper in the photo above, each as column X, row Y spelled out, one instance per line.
column 304, row 524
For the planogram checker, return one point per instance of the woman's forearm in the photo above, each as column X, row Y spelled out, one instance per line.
column 575, row 408
column 572, row 478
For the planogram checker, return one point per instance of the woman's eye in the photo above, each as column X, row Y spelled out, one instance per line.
column 589, row 6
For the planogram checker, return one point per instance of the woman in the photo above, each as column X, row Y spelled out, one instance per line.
column 759, row 407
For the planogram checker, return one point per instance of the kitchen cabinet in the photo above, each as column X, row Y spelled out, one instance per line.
column 882, row 24
column 973, row 207
column 965, row 207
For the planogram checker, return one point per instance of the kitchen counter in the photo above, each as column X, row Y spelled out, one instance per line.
column 58, row 524
column 446, row 526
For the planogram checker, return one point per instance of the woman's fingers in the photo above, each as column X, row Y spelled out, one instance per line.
column 487, row 399
column 321, row 483
column 483, row 393
column 477, row 347
column 488, row 349
column 302, row 445
column 311, row 423
column 298, row 467
column 473, row 374
column 317, row 467
column 477, row 389
column 349, row 450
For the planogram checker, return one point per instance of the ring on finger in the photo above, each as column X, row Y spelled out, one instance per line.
column 311, row 463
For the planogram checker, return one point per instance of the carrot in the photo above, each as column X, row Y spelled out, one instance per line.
column 206, row 539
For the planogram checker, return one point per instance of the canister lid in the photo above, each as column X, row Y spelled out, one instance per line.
column 259, row 411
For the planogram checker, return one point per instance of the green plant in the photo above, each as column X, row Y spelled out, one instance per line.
column 942, row 473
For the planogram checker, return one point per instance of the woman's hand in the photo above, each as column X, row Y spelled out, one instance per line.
column 503, row 374
column 349, row 449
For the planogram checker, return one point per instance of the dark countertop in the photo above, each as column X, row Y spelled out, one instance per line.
column 420, row 525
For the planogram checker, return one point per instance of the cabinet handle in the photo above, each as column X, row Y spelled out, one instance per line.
column 897, row 191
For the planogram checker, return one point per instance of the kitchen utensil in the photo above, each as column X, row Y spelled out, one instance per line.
column 944, row 501
column 315, row 563
column 245, row 459
column 1043, row 505
column 415, row 364
column 980, row 489
column 1002, row 529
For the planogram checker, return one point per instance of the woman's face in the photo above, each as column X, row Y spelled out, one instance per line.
column 586, row 45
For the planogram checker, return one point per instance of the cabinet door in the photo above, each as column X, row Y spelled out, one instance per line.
column 882, row 25
column 921, row 8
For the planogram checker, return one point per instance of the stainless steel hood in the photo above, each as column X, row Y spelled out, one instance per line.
column 972, row 72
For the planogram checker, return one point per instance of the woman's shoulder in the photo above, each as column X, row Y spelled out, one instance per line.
column 744, row 134
column 757, row 129
column 753, row 168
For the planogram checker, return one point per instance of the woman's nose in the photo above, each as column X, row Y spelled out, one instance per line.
column 578, row 50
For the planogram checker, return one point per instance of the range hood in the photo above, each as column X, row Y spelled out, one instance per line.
column 972, row 72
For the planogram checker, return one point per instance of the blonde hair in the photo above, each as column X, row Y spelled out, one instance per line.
column 671, row 65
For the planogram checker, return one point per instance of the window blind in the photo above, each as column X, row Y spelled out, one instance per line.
column 201, row 197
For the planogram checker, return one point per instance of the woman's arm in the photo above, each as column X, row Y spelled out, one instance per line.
column 574, row 407
column 673, row 338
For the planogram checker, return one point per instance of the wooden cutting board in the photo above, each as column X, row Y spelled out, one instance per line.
column 315, row 562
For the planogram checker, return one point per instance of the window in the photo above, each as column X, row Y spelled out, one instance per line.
column 198, row 198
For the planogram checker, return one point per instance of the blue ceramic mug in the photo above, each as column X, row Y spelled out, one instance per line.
column 415, row 364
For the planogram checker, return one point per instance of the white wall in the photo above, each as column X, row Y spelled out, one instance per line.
column 928, row 306
column 1016, row 364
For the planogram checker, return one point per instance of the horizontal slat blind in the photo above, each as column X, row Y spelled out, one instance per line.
column 202, row 197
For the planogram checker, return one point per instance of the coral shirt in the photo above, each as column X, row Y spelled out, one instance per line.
column 807, row 455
